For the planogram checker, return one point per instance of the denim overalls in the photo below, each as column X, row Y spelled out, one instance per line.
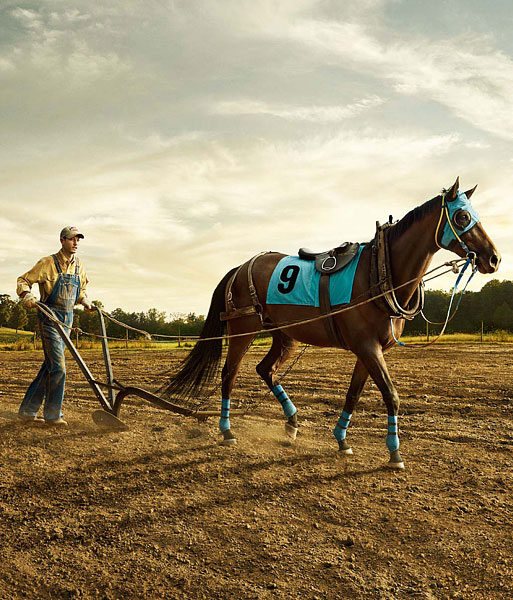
column 49, row 383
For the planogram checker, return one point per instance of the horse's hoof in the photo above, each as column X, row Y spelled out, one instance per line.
column 228, row 442
column 228, row 439
column 344, row 448
column 347, row 451
column 395, row 462
column 290, row 431
column 399, row 466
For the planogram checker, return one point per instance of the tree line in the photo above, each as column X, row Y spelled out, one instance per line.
column 490, row 308
column 14, row 315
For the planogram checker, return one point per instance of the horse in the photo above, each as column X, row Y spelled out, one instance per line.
column 367, row 330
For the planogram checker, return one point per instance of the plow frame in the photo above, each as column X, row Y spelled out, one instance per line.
column 116, row 392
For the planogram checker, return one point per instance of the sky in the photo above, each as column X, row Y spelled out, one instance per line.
column 184, row 137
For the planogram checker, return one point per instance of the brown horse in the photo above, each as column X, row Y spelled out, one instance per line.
column 448, row 221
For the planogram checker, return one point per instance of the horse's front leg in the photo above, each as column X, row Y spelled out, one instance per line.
column 377, row 368
column 360, row 375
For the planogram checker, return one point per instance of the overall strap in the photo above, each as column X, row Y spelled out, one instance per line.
column 57, row 265
column 77, row 267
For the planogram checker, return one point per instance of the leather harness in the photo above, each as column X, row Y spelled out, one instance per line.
column 330, row 262
column 256, row 307
column 381, row 280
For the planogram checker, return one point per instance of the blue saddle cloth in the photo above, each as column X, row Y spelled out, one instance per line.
column 296, row 281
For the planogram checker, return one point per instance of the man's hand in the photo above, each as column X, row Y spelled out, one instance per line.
column 29, row 300
column 86, row 304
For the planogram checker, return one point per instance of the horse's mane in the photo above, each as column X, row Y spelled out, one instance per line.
column 397, row 230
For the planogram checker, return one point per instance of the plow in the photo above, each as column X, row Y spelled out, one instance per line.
column 111, row 393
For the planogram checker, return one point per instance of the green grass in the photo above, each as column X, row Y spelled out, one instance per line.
column 10, row 340
column 462, row 338
column 6, row 332
column 23, row 340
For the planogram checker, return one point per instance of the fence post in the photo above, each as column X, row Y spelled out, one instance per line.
column 482, row 328
column 34, row 340
column 427, row 331
column 179, row 340
column 126, row 340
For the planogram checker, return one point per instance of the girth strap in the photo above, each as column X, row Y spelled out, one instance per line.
column 330, row 324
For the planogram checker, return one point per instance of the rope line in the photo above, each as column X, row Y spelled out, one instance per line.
column 453, row 264
column 447, row 318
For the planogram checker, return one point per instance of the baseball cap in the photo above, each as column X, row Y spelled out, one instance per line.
column 70, row 232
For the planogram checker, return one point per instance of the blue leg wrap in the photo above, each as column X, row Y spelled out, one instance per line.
column 288, row 408
column 392, row 437
column 341, row 427
column 224, row 421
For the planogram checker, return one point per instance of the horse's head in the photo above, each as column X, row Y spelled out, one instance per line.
column 463, row 232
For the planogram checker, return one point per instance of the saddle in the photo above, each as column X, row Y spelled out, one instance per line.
column 331, row 261
column 327, row 263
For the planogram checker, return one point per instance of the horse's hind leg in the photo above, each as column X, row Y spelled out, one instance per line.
column 282, row 349
column 236, row 350
column 360, row 375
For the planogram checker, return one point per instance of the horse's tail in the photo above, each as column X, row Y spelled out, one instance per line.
column 200, row 367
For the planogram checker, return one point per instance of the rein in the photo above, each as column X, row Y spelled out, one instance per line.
column 453, row 264
column 470, row 260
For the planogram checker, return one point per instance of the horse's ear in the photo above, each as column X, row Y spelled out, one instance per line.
column 470, row 192
column 452, row 194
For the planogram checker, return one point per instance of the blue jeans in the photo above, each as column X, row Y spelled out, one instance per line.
column 49, row 382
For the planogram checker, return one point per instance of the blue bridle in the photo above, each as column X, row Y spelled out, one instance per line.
column 451, row 230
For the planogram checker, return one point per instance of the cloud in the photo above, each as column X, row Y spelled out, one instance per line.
column 197, row 206
column 69, row 16
column 30, row 19
column 315, row 114
column 59, row 49
column 464, row 73
column 6, row 64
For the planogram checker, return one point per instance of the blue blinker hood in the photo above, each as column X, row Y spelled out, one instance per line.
column 460, row 203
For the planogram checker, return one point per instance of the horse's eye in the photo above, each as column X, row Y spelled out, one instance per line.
column 461, row 219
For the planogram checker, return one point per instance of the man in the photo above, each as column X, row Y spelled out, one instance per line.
column 62, row 283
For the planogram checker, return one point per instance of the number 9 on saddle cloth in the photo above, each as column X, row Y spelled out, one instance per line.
column 296, row 279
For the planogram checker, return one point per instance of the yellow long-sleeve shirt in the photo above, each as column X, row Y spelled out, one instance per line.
column 45, row 273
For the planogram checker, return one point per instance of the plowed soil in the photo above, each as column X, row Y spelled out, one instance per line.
column 163, row 511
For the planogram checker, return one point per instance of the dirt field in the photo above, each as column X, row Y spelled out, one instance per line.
column 163, row 511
